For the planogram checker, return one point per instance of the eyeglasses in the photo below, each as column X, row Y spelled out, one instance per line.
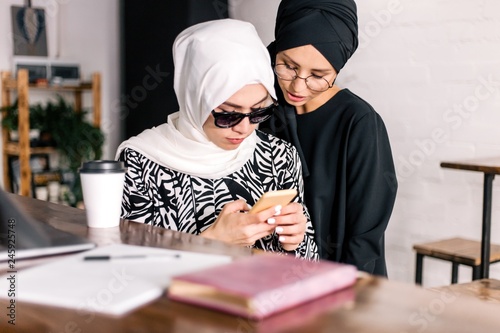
column 313, row 82
column 229, row 119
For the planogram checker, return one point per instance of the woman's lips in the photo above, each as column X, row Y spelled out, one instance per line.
column 295, row 98
column 235, row 141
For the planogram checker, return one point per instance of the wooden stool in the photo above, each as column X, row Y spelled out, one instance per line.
column 487, row 290
column 458, row 251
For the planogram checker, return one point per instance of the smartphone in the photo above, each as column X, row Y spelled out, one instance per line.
column 273, row 198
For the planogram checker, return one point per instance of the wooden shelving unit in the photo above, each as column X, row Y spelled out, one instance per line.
column 22, row 149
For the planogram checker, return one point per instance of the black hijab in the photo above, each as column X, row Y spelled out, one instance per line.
column 331, row 26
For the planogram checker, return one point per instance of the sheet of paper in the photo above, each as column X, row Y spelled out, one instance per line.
column 114, row 286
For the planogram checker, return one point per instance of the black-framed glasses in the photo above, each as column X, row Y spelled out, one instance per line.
column 313, row 82
column 227, row 119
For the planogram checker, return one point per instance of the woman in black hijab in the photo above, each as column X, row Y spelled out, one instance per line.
column 350, row 183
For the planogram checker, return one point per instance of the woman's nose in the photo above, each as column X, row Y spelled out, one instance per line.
column 299, row 84
column 243, row 126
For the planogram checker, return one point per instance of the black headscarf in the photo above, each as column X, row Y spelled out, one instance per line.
column 331, row 26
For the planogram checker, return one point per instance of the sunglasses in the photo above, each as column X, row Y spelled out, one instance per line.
column 229, row 119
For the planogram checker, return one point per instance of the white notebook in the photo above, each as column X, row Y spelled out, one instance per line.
column 114, row 287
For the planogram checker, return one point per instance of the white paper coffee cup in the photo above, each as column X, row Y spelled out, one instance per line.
column 102, row 186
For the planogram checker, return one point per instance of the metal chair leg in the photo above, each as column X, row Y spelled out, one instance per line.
column 419, row 268
column 454, row 272
column 476, row 272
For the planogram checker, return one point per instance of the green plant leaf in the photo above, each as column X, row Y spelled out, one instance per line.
column 75, row 138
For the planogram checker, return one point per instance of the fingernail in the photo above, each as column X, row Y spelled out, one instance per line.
column 271, row 221
column 277, row 210
column 282, row 238
column 279, row 229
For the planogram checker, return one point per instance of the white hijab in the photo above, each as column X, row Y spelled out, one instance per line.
column 213, row 60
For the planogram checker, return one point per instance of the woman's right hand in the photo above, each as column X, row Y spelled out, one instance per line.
column 235, row 226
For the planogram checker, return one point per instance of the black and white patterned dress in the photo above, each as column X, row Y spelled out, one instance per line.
column 170, row 199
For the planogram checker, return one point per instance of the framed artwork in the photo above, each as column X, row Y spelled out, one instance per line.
column 29, row 31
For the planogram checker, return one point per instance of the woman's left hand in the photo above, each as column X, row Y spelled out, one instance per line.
column 291, row 226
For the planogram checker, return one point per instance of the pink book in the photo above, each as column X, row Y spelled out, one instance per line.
column 258, row 286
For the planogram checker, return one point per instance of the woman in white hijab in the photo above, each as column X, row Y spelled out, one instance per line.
column 200, row 171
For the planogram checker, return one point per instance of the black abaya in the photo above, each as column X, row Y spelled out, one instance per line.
column 351, row 186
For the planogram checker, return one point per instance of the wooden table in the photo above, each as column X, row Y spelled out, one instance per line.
column 490, row 167
column 487, row 290
column 374, row 305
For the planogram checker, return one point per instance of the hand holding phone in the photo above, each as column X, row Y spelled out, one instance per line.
column 273, row 198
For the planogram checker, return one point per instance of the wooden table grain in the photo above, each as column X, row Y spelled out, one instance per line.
column 374, row 305
column 487, row 290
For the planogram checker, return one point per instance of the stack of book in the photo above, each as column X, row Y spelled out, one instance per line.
column 259, row 286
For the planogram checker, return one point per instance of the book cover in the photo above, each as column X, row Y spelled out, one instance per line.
column 261, row 285
column 290, row 320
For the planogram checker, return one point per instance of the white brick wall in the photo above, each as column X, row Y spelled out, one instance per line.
column 431, row 68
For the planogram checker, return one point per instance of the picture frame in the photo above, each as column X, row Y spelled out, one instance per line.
column 29, row 31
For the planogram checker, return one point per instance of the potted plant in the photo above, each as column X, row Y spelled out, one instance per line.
column 10, row 115
column 73, row 136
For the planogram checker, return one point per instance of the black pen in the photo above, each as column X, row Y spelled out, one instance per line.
column 129, row 256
